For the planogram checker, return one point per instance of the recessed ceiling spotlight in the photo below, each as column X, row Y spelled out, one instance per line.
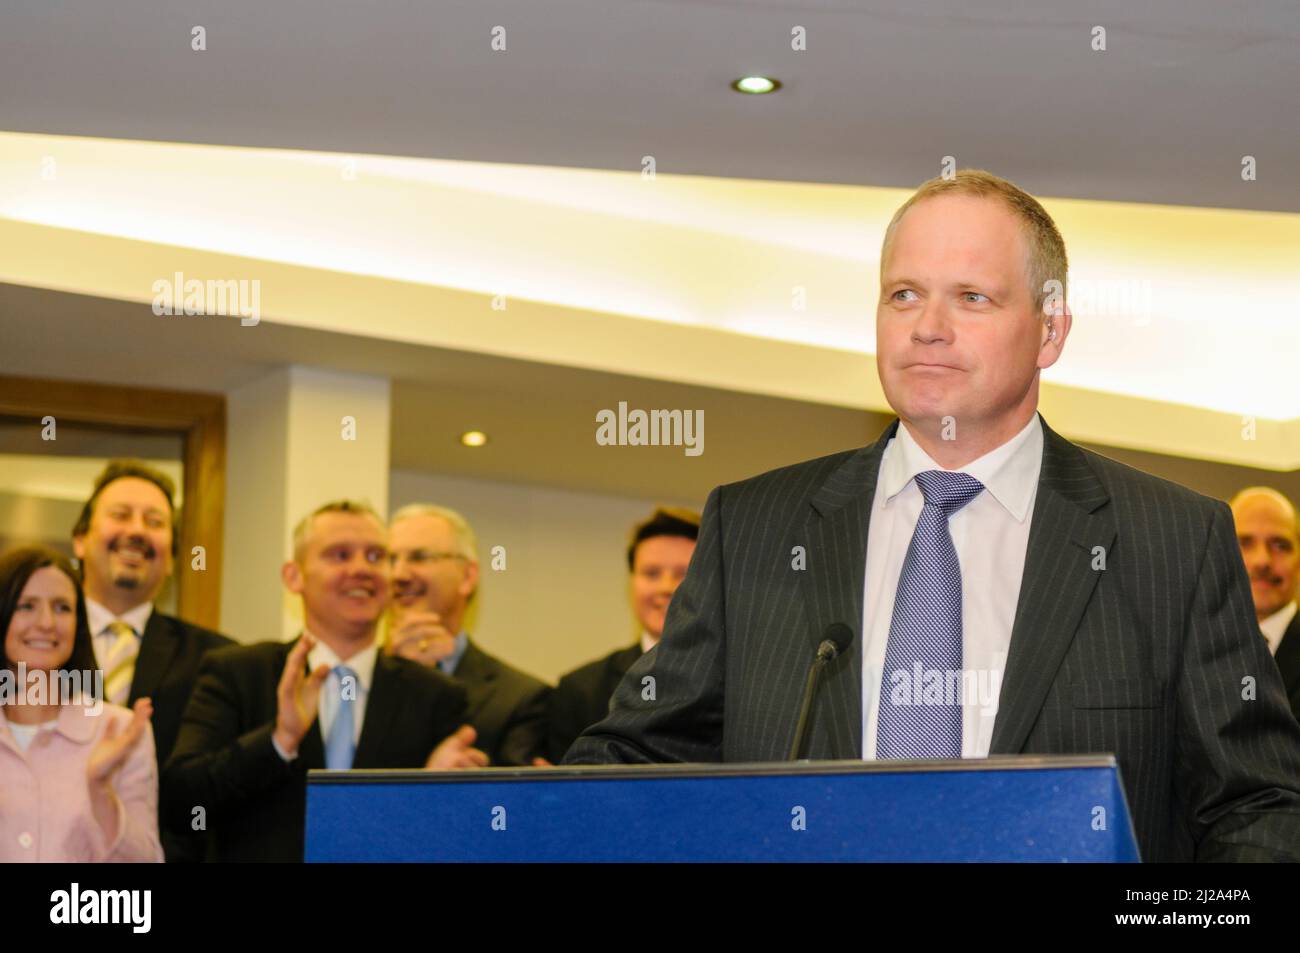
column 756, row 85
column 473, row 438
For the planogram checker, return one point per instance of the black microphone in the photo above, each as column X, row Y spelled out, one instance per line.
column 837, row 638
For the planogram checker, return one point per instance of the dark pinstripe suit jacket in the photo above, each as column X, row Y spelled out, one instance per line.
column 1148, row 658
column 1288, row 663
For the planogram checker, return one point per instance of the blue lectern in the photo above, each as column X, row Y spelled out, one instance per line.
column 1022, row 808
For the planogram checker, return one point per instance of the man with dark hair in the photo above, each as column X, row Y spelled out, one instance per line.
column 657, row 557
column 263, row 715
column 125, row 540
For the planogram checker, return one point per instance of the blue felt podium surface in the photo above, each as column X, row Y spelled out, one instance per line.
column 1023, row 808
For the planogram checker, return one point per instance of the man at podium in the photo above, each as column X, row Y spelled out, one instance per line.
column 1005, row 591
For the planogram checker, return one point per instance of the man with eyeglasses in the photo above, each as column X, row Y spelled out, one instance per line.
column 435, row 585
column 263, row 715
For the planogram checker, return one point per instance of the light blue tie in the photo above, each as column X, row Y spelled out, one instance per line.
column 925, row 632
column 340, row 746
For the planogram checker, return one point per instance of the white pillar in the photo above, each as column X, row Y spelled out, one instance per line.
column 296, row 438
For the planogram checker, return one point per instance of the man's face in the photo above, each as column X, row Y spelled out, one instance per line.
column 957, row 330
column 127, row 549
column 342, row 571
column 658, row 568
column 429, row 574
column 1266, row 532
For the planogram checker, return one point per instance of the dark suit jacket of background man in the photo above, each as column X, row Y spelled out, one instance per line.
column 507, row 707
column 1144, row 659
column 254, row 800
column 1288, row 662
column 165, row 671
column 582, row 698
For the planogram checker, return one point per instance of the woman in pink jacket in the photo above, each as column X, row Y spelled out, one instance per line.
column 78, row 781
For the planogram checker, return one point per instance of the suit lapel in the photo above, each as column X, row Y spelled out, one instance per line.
column 473, row 665
column 311, row 751
column 476, row 674
column 835, row 542
column 158, row 645
column 1288, row 655
column 381, row 709
column 1069, row 522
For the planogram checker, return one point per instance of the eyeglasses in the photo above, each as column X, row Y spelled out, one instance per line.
column 423, row 556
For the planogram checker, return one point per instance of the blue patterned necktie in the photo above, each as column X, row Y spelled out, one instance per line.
column 340, row 746
column 925, row 632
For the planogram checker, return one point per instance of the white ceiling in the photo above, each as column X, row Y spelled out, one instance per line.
column 1184, row 89
column 540, row 417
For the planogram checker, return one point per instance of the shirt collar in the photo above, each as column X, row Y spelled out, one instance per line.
column 1274, row 627
column 99, row 618
column 648, row 641
column 448, row 665
column 363, row 662
column 1009, row 472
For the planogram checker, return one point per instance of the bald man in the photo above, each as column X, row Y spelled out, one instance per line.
column 1269, row 535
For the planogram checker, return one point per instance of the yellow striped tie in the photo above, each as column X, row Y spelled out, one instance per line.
column 119, row 664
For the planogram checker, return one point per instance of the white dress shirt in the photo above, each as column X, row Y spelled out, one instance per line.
column 331, row 690
column 99, row 619
column 990, row 535
column 1274, row 627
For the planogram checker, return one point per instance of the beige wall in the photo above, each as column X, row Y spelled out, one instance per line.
column 286, row 454
column 562, row 598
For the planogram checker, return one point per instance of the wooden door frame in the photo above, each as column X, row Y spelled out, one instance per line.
column 198, row 418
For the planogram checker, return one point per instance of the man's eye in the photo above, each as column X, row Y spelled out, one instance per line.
column 904, row 291
column 974, row 297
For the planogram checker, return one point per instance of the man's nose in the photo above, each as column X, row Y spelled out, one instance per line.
column 932, row 324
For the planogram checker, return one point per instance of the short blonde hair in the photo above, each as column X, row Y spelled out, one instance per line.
column 302, row 532
column 1046, row 259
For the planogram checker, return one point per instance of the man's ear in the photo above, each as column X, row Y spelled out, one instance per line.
column 470, row 582
column 1056, row 328
column 291, row 576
